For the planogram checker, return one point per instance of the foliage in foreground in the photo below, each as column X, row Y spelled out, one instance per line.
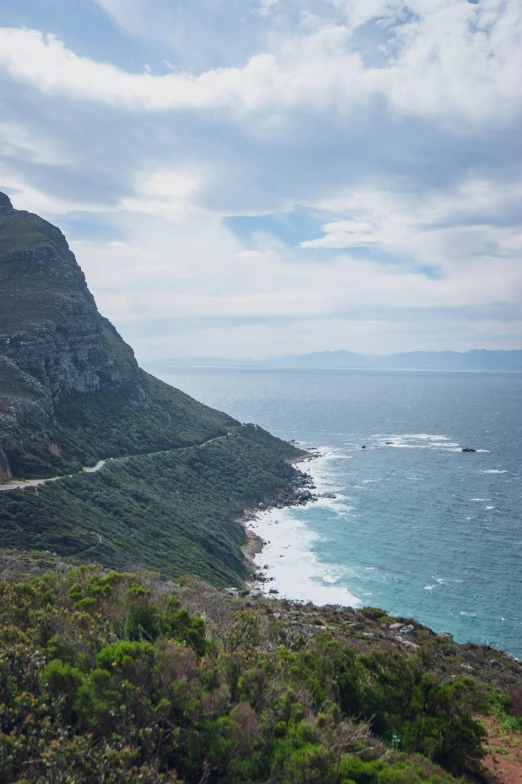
column 108, row 678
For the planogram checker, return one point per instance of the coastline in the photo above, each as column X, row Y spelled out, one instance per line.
column 284, row 565
column 280, row 545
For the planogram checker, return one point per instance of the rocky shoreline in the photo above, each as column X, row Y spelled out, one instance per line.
column 301, row 495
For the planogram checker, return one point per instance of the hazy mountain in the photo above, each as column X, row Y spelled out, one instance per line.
column 476, row 359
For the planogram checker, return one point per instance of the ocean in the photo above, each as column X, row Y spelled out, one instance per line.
column 417, row 527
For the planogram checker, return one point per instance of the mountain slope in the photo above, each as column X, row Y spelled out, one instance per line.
column 70, row 388
column 71, row 394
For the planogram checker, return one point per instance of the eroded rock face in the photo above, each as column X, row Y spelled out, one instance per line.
column 5, row 202
column 71, row 392
column 53, row 341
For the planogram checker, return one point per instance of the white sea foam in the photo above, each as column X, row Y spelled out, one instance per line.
column 409, row 446
column 490, row 507
column 410, row 436
column 479, row 499
column 299, row 574
column 429, row 587
column 494, row 471
column 426, row 436
column 420, row 441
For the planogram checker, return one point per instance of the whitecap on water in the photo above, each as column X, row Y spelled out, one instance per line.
column 429, row 587
column 426, row 437
column 300, row 574
column 409, row 436
column 494, row 471
column 409, row 446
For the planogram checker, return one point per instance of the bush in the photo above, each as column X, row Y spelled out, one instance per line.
column 129, row 687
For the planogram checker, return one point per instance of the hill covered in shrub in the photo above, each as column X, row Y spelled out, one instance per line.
column 175, row 511
column 120, row 678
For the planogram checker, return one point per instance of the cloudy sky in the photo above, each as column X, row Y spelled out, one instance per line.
column 254, row 177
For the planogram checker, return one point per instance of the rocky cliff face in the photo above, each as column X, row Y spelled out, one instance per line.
column 66, row 376
column 49, row 324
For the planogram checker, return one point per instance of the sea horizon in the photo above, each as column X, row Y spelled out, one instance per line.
column 417, row 528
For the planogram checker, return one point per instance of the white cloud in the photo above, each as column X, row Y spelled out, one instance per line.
column 165, row 193
column 448, row 230
column 392, row 125
column 27, row 197
column 267, row 7
column 199, row 271
column 453, row 61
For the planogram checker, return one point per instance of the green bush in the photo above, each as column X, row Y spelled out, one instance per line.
column 130, row 686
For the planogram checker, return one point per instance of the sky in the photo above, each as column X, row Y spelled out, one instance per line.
column 245, row 178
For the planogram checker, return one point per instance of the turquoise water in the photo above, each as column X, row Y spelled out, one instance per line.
column 419, row 528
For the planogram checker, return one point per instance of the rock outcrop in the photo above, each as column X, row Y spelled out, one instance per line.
column 68, row 382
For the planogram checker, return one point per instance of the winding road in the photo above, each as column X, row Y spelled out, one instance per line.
column 22, row 484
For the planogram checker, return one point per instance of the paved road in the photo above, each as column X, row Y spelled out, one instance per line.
column 21, row 485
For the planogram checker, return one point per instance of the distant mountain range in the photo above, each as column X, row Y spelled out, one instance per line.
column 476, row 359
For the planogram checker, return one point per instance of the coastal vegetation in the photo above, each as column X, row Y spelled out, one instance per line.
column 71, row 391
column 174, row 511
column 130, row 649
column 141, row 416
column 128, row 678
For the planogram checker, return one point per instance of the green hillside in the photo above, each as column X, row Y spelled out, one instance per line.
column 118, row 679
column 172, row 511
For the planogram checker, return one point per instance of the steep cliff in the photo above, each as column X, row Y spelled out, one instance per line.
column 71, row 391
column 72, row 394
